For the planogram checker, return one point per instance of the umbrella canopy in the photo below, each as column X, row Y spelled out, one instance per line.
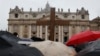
column 51, row 48
column 9, row 36
column 80, row 47
column 34, row 38
column 9, row 46
column 83, row 37
column 93, row 49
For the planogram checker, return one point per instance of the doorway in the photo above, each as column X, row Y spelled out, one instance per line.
column 65, row 38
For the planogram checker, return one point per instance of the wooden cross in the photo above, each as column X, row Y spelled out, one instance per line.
column 52, row 22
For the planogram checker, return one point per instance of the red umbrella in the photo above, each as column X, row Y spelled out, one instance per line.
column 83, row 37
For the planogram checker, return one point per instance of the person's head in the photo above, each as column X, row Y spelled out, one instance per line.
column 15, row 34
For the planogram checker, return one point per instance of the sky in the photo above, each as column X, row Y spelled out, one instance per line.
column 91, row 5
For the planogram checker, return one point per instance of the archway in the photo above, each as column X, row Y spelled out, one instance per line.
column 65, row 38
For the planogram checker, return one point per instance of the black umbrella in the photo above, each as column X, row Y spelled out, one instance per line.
column 34, row 38
column 10, row 47
column 93, row 49
column 80, row 47
column 9, row 36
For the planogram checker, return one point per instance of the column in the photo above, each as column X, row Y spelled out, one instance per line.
column 29, row 32
column 62, row 35
column 10, row 28
column 78, row 29
column 46, row 32
column 38, row 31
column 21, row 31
column 59, row 33
column 88, row 28
column 70, row 32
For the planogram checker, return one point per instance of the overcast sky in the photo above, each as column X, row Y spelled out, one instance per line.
column 93, row 6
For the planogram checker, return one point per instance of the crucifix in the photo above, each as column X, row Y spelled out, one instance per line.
column 52, row 23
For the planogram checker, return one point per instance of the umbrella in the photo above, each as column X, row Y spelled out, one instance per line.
column 93, row 49
column 51, row 48
column 34, row 38
column 9, row 46
column 25, row 41
column 9, row 36
column 83, row 37
column 80, row 47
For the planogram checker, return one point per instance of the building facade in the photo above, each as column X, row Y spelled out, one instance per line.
column 36, row 23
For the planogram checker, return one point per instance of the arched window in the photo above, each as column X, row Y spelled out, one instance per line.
column 16, row 15
column 83, row 16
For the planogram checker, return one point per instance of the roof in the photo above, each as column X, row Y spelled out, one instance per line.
column 96, row 19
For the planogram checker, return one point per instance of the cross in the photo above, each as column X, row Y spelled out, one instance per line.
column 52, row 22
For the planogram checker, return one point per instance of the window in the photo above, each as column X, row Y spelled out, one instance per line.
column 43, row 33
column 26, row 16
column 56, row 16
column 56, row 26
column 56, row 39
column 65, row 15
column 73, row 16
column 34, row 15
column 34, row 32
column 83, row 17
column 56, row 33
column 43, row 15
column 25, row 26
column 65, row 33
column 16, row 15
column 73, row 26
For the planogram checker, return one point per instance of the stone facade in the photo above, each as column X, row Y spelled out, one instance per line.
column 36, row 23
